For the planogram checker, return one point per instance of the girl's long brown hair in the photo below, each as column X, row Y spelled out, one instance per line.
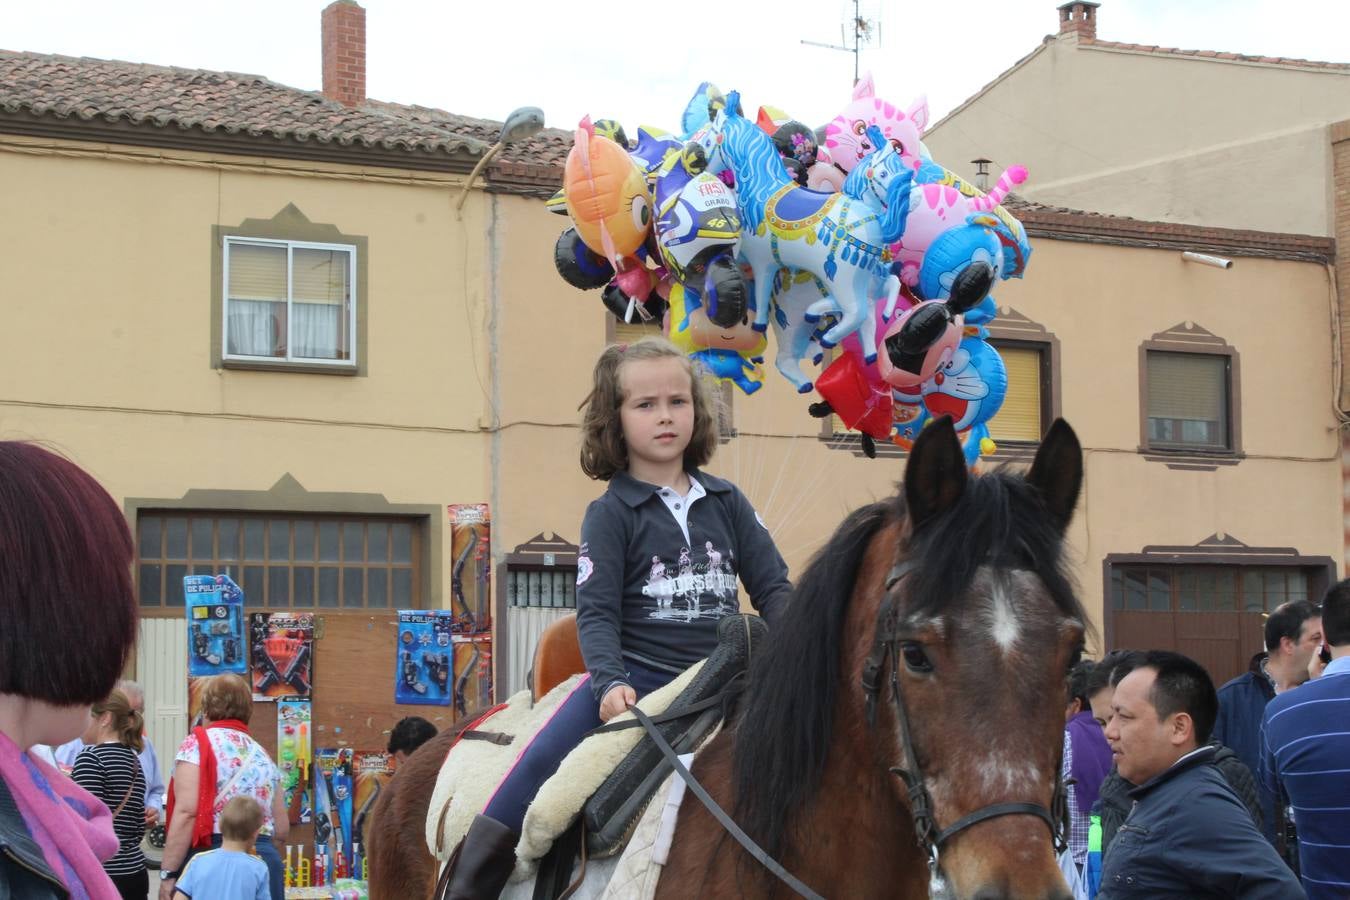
column 603, row 452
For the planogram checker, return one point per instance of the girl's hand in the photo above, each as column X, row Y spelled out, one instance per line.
column 617, row 699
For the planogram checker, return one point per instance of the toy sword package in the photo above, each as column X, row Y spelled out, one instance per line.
column 371, row 771
column 470, row 570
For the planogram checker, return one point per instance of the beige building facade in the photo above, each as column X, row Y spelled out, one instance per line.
column 1198, row 136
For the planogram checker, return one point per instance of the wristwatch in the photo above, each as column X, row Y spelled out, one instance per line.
column 168, row 874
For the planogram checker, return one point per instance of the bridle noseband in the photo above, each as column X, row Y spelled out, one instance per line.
column 886, row 645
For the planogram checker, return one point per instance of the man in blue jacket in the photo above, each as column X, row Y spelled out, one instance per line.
column 1306, row 754
column 1293, row 633
column 1187, row 835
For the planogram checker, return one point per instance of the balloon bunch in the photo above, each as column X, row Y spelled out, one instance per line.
column 848, row 237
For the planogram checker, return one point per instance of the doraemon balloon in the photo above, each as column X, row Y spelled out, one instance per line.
column 969, row 386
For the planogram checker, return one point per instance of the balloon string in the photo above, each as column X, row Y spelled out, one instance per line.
column 807, row 491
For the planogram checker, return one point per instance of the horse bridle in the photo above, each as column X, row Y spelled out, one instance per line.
column 886, row 645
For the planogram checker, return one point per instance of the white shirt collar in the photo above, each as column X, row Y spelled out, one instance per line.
column 679, row 506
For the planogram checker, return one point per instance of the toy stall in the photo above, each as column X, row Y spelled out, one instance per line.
column 328, row 687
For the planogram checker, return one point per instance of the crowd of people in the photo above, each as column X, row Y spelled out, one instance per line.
column 1179, row 790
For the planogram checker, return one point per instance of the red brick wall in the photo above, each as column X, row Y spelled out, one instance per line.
column 344, row 52
column 1079, row 17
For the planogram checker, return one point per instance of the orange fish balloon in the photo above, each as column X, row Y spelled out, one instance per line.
column 608, row 199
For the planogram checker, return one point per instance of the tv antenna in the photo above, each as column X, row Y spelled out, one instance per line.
column 864, row 31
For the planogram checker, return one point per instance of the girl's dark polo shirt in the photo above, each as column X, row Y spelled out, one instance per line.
column 646, row 593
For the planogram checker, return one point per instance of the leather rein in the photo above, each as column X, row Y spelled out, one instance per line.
column 886, row 646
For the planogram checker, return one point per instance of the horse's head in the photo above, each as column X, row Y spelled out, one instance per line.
column 872, row 180
column 976, row 627
column 931, row 637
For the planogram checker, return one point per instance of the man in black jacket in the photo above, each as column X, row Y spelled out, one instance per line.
column 1187, row 834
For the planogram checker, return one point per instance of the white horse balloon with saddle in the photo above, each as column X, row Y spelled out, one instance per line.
column 840, row 238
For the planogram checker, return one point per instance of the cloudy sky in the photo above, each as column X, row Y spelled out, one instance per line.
column 639, row 61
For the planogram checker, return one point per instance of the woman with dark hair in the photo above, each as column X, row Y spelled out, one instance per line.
column 66, row 554
column 217, row 762
column 109, row 768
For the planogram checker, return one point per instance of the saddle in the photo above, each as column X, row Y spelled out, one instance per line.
column 608, row 780
column 557, row 656
column 614, row 809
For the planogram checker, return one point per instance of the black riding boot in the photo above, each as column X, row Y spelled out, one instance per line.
column 482, row 862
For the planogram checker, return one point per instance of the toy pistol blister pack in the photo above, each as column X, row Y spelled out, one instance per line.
column 215, row 615
column 281, row 647
column 294, row 757
column 425, row 661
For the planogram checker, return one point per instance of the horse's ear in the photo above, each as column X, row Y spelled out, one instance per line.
column 1057, row 472
column 935, row 476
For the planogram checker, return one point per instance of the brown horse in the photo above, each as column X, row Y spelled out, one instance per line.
column 907, row 718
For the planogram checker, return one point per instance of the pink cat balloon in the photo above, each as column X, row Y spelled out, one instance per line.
column 846, row 137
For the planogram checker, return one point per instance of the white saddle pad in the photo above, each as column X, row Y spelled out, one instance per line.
column 473, row 770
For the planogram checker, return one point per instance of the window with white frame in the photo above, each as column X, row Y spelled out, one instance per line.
column 289, row 301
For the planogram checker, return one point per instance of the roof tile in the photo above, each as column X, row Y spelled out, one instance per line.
column 1215, row 54
column 232, row 103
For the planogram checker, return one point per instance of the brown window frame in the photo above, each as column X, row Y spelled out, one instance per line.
column 190, row 562
column 1190, row 338
column 1216, row 551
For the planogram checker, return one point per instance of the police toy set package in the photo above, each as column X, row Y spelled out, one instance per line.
column 215, row 615
column 424, row 670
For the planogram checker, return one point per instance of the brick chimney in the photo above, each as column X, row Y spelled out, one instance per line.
column 1079, row 17
column 344, row 52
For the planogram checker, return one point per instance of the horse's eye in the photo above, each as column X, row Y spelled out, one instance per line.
column 915, row 659
column 1076, row 657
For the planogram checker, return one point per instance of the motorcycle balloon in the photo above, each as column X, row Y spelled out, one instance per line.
column 580, row 266
column 725, row 294
column 616, row 301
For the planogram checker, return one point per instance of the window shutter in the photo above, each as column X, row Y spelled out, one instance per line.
column 1187, row 386
column 1019, row 419
column 320, row 276
column 632, row 332
column 257, row 271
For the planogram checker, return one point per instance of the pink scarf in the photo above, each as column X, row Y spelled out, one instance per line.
column 71, row 825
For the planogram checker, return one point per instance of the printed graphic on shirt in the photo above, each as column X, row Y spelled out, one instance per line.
column 682, row 591
column 585, row 567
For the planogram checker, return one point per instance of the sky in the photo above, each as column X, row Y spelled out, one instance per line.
column 640, row 61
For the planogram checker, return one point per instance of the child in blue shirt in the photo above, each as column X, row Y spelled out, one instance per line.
column 661, row 552
column 230, row 872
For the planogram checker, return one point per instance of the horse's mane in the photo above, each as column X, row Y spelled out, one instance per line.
column 786, row 721
column 759, row 168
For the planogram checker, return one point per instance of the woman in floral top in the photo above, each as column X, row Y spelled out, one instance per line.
column 216, row 763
